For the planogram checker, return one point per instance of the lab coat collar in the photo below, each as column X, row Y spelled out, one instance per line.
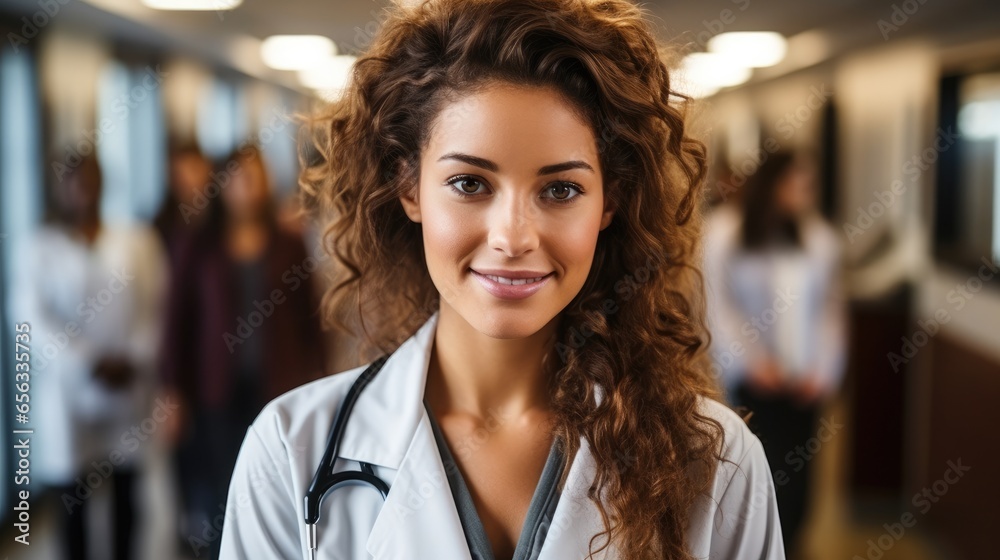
column 390, row 409
column 420, row 513
column 390, row 427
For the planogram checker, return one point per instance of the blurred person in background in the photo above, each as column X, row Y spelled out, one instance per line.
column 92, row 295
column 775, row 311
column 242, row 328
column 189, row 172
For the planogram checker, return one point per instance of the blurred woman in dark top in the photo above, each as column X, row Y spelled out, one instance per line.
column 189, row 172
column 242, row 328
column 775, row 309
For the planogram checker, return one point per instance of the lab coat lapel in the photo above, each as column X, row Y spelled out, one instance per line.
column 576, row 519
column 390, row 428
column 419, row 518
column 389, row 410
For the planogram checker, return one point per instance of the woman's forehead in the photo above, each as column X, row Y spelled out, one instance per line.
column 513, row 124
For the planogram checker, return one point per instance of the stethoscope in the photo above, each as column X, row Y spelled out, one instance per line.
column 325, row 480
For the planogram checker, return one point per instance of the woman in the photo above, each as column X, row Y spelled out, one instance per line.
column 777, row 318
column 512, row 181
column 188, row 174
column 92, row 295
column 241, row 329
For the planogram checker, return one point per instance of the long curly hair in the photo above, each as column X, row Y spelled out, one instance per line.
column 629, row 367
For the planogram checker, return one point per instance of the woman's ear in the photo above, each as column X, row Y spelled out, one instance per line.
column 609, row 208
column 410, row 200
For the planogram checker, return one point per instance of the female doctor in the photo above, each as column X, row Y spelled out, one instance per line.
column 512, row 189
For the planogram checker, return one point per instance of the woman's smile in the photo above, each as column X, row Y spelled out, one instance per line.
column 515, row 284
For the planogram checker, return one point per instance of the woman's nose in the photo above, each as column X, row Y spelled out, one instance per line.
column 513, row 227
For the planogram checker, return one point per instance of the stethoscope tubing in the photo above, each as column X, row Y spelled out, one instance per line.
column 325, row 480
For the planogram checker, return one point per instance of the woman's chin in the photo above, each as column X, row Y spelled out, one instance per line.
column 507, row 323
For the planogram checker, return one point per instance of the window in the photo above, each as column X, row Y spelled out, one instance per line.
column 133, row 150
column 967, row 146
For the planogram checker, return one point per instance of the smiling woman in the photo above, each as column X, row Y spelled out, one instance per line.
column 494, row 173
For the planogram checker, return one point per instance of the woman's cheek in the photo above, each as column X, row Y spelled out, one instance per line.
column 451, row 227
column 576, row 239
column 450, row 238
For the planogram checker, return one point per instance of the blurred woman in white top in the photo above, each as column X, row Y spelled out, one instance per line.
column 776, row 317
column 91, row 293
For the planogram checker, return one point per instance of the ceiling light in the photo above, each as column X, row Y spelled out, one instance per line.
column 296, row 52
column 754, row 49
column 696, row 90
column 192, row 5
column 702, row 74
column 329, row 75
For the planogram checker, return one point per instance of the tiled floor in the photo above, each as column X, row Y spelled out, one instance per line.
column 830, row 535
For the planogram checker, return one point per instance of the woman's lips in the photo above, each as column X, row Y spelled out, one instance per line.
column 510, row 288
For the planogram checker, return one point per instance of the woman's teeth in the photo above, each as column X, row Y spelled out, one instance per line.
column 513, row 281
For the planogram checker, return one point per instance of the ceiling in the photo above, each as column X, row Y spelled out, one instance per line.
column 230, row 38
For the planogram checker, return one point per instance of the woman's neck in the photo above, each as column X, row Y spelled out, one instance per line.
column 246, row 240
column 88, row 227
column 481, row 376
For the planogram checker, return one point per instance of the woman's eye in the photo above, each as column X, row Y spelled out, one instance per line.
column 467, row 186
column 558, row 192
column 562, row 191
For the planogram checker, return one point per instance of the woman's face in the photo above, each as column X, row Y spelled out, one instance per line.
column 247, row 193
column 190, row 174
column 796, row 190
column 510, row 186
column 79, row 194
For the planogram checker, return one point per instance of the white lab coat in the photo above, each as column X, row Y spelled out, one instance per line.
column 390, row 428
column 83, row 302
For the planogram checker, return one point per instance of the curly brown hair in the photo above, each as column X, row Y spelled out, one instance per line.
column 630, row 367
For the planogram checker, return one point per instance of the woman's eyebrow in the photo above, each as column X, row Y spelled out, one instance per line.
column 493, row 167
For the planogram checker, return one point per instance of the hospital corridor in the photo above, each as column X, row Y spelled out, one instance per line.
column 216, row 215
